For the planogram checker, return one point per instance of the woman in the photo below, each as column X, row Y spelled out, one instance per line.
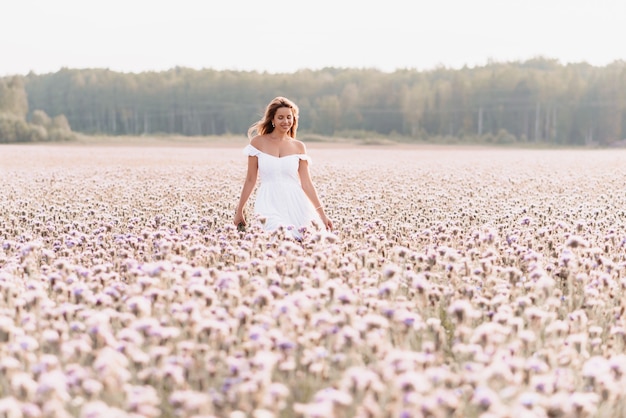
column 286, row 195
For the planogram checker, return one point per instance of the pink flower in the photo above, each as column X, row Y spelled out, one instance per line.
column 333, row 396
column 53, row 384
column 10, row 407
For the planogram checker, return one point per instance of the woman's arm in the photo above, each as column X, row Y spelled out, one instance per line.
column 309, row 190
column 248, row 186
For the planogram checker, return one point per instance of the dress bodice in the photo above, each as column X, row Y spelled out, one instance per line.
column 276, row 169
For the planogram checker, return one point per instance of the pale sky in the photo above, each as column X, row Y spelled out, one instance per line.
column 285, row 36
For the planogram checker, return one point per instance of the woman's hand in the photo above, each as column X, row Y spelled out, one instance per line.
column 240, row 220
column 328, row 223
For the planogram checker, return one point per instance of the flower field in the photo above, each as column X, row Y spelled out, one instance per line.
column 458, row 283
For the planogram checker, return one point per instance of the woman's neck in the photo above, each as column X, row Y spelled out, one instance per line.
column 283, row 137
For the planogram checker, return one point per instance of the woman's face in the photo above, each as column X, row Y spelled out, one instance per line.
column 283, row 119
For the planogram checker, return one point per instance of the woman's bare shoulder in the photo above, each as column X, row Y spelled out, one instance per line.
column 300, row 146
column 258, row 141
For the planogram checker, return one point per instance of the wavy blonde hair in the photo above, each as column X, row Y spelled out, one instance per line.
column 264, row 125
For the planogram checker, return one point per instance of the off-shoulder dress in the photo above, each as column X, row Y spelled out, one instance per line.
column 280, row 198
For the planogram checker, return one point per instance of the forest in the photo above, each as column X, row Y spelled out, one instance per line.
column 533, row 101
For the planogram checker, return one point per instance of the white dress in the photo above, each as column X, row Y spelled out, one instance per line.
column 280, row 198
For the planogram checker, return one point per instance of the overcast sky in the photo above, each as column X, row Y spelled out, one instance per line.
column 285, row 36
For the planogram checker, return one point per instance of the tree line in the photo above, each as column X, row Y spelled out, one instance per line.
column 17, row 124
column 538, row 100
